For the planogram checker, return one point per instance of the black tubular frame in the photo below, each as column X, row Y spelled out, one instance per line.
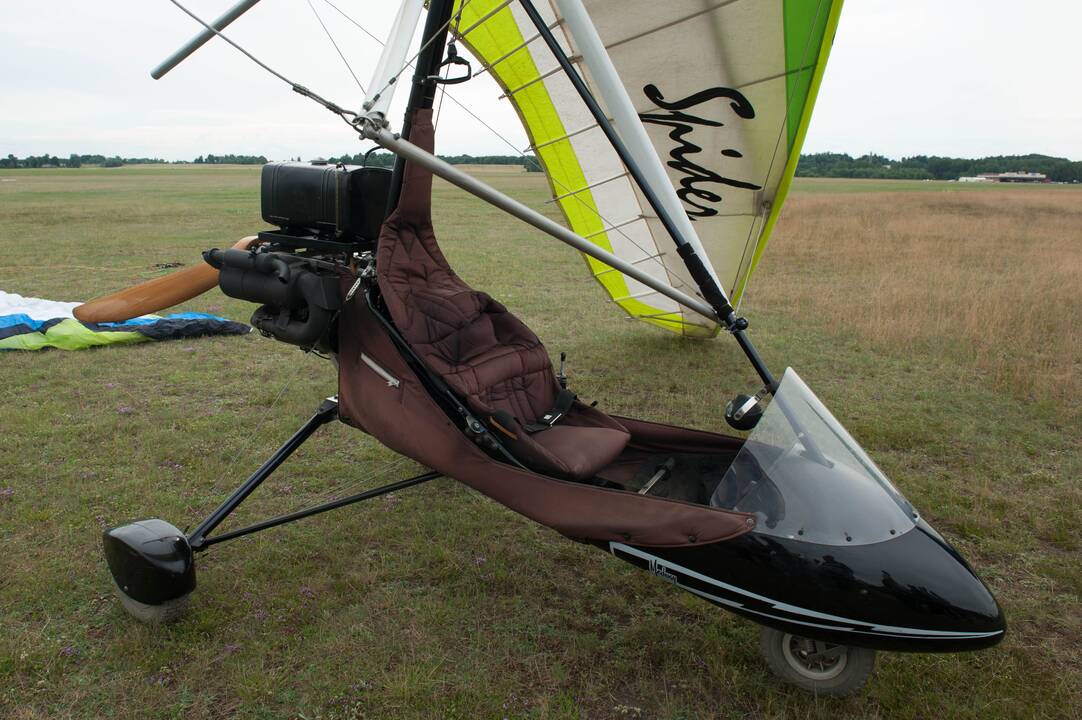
column 422, row 95
column 328, row 410
column 711, row 292
column 423, row 89
column 322, row 508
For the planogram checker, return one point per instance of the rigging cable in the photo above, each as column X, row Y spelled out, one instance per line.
column 351, row 118
column 296, row 87
column 676, row 280
column 789, row 106
column 447, row 68
column 449, row 95
column 338, row 49
column 443, row 94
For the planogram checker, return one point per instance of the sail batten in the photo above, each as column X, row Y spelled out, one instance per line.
column 686, row 18
column 724, row 91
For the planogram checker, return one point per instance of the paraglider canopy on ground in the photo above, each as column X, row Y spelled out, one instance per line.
column 28, row 323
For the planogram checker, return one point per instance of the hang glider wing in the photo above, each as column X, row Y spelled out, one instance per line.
column 725, row 90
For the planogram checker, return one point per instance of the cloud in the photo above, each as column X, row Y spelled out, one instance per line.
column 965, row 77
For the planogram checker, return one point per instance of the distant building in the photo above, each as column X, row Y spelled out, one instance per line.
column 1008, row 177
column 1023, row 177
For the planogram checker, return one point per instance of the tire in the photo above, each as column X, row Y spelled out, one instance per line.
column 818, row 667
column 169, row 611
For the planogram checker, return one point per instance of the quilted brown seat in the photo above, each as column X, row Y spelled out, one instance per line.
column 482, row 351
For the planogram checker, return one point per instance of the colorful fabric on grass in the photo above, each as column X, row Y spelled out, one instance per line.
column 33, row 324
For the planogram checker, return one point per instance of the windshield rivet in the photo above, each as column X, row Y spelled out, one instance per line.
column 848, row 539
column 893, row 532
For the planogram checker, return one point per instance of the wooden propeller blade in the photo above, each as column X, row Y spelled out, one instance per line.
column 154, row 295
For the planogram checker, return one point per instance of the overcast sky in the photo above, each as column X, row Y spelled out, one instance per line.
column 950, row 77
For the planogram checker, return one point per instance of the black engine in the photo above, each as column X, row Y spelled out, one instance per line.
column 299, row 296
column 326, row 217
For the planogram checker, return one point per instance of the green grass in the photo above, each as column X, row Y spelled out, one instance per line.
column 436, row 602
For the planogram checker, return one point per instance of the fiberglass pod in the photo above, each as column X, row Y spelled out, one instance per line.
column 837, row 553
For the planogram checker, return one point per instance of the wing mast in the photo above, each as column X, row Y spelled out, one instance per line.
column 393, row 58
column 423, row 91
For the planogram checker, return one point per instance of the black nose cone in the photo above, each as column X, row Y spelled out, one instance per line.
column 913, row 592
column 935, row 589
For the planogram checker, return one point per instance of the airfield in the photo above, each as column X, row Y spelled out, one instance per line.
column 941, row 323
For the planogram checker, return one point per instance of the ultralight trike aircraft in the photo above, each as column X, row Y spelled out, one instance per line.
column 669, row 136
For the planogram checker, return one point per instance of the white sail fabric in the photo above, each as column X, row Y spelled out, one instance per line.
column 724, row 90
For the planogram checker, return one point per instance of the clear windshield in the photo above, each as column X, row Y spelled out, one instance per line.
column 806, row 478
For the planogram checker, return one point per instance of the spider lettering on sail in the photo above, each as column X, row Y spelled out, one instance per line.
column 699, row 201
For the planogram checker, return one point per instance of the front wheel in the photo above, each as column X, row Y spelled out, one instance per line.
column 819, row 667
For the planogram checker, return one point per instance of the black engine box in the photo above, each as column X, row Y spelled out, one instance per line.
column 345, row 202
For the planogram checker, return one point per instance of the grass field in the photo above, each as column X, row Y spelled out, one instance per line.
column 943, row 328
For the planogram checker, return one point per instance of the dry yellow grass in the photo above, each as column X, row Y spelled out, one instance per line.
column 994, row 277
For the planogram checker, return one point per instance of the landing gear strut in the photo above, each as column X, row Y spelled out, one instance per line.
column 153, row 562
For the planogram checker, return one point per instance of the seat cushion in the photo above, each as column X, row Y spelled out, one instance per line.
column 580, row 452
column 581, row 444
column 489, row 357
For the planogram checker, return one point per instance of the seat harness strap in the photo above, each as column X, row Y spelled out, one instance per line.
column 564, row 399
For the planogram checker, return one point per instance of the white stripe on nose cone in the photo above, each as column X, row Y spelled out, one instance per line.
column 793, row 609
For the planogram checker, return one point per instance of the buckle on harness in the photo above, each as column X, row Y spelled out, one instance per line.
column 564, row 400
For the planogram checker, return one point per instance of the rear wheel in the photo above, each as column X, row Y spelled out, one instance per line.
column 819, row 667
column 167, row 612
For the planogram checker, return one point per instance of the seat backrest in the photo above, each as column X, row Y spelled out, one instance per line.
column 480, row 349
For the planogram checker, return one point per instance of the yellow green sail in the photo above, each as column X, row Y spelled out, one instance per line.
column 725, row 90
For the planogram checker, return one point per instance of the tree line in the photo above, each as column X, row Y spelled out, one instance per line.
column 71, row 161
column 837, row 165
column 386, row 159
column 933, row 167
column 75, row 160
column 377, row 159
column 230, row 160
